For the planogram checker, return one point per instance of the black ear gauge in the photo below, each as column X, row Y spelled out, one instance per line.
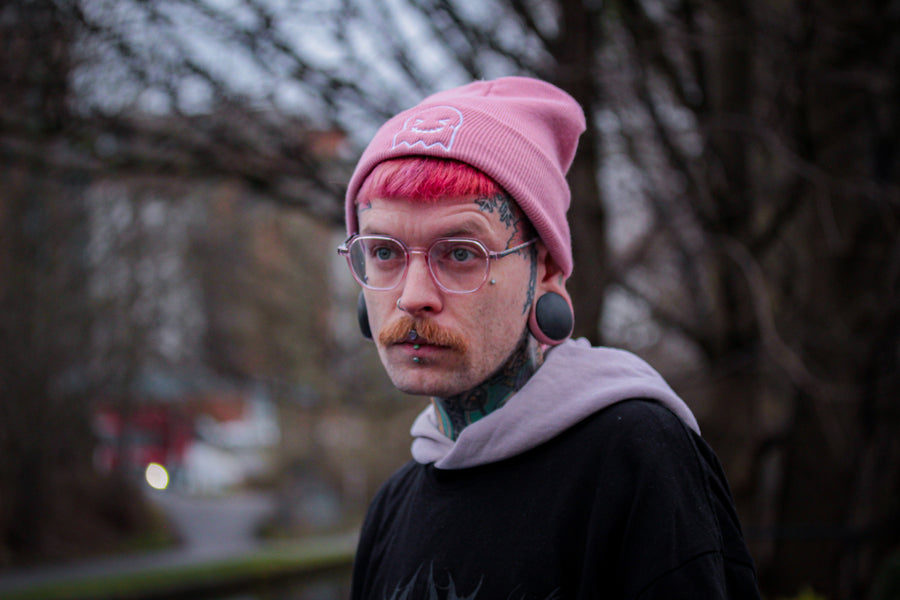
column 362, row 315
column 551, row 319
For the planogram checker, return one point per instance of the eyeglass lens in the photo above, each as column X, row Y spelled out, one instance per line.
column 380, row 263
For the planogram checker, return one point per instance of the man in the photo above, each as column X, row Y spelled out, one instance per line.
column 542, row 468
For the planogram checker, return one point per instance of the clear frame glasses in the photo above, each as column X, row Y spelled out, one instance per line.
column 457, row 265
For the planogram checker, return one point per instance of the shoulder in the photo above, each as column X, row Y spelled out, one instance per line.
column 388, row 500
column 641, row 413
column 397, row 485
column 624, row 438
column 645, row 427
column 645, row 443
column 670, row 482
column 647, row 463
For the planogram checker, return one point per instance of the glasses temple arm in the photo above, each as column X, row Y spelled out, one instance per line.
column 509, row 251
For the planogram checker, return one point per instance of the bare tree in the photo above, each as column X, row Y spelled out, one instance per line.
column 737, row 189
column 773, row 152
column 46, row 312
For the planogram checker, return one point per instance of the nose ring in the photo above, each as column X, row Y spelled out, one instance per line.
column 400, row 307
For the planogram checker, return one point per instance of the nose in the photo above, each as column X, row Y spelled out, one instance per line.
column 420, row 294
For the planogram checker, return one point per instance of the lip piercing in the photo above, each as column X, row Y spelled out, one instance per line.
column 492, row 282
column 416, row 359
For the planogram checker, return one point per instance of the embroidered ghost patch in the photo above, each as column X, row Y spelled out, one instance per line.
column 435, row 126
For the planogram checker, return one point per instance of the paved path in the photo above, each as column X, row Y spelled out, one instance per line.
column 211, row 528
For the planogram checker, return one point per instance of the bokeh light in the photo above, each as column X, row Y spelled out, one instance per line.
column 157, row 476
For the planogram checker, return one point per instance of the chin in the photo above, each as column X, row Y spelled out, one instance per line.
column 445, row 377
column 422, row 381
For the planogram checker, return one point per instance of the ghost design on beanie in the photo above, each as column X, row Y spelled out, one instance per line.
column 435, row 126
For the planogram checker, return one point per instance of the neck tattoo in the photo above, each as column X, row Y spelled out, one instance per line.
column 457, row 412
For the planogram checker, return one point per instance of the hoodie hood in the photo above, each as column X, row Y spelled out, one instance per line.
column 575, row 381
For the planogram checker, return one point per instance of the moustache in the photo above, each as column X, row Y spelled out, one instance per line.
column 427, row 332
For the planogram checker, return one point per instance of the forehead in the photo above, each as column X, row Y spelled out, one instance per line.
column 489, row 219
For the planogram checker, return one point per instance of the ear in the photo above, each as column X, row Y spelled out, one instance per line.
column 552, row 319
column 362, row 316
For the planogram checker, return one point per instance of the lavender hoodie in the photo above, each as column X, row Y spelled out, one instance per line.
column 575, row 381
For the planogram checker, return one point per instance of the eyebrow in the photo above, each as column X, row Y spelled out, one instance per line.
column 468, row 228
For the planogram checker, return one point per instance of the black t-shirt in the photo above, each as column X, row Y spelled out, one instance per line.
column 627, row 504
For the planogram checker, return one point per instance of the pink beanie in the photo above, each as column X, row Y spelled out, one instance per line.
column 521, row 132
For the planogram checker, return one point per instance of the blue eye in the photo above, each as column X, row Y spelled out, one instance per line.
column 461, row 254
column 383, row 253
column 457, row 254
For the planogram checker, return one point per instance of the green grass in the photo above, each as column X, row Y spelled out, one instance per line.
column 269, row 563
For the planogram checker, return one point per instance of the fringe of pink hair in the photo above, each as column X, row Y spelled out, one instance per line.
column 427, row 179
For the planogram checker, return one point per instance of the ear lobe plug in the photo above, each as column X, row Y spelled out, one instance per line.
column 362, row 316
column 551, row 320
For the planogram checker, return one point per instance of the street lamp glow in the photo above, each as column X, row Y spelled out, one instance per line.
column 157, row 476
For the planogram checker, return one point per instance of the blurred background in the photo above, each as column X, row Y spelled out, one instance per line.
column 170, row 297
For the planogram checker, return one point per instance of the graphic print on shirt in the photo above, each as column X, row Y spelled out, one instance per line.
column 447, row 591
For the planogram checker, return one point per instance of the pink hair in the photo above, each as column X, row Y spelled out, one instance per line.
column 426, row 178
